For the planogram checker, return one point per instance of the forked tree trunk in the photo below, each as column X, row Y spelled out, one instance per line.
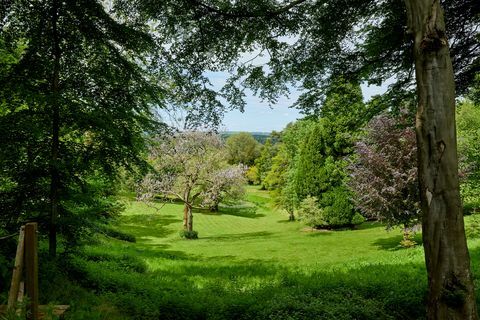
column 450, row 288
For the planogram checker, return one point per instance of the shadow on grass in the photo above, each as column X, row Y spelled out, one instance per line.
column 319, row 233
column 244, row 212
column 145, row 227
column 194, row 287
column 369, row 225
column 239, row 236
column 393, row 243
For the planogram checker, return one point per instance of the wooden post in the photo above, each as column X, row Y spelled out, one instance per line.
column 31, row 270
column 17, row 271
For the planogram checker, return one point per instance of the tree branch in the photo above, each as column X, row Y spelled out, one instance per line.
column 246, row 14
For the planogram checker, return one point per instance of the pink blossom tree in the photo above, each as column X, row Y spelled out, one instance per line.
column 191, row 166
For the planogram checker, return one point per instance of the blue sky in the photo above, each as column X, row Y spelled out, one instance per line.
column 260, row 117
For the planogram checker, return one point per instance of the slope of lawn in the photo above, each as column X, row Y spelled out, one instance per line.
column 250, row 262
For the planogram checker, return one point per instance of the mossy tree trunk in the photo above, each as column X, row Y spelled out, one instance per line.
column 450, row 288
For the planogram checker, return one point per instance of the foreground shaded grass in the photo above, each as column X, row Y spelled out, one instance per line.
column 249, row 263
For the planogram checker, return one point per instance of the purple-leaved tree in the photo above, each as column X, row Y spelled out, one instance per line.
column 384, row 174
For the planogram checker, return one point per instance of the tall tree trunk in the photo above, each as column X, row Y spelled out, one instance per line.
column 55, row 143
column 450, row 288
column 190, row 219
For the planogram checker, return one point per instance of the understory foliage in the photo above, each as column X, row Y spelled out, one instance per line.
column 468, row 137
column 383, row 176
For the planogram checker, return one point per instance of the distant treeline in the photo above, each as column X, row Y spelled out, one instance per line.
column 260, row 137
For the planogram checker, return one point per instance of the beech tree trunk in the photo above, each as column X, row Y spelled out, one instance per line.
column 450, row 288
column 55, row 142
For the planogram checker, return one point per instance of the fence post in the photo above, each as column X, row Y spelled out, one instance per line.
column 17, row 271
column 31, row 270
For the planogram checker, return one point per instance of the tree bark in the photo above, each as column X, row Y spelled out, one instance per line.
column 190, row 219
column 450, row 288
column 185, row 216
column 55, row 142
column 291, row 215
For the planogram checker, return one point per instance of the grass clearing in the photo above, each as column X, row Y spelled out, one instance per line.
column 250, row 262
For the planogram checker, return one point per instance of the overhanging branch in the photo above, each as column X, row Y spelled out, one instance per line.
column 247, row 14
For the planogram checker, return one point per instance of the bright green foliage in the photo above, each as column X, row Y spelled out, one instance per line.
column 310, row 213
column 468, row 136
column 264, row 162
column 252, row 175
column 242, row 148
column 9, row 56
column 276, row 176
column 280, row 179
column 474, row 93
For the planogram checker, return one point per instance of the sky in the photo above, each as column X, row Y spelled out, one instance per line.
column 260, row 117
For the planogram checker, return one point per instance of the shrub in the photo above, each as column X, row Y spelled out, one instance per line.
column 334, row 210
column 472, row 229
column 338, row 210
column 189, row 234
column 357, row 219
column 310, row 213
column 407, row 241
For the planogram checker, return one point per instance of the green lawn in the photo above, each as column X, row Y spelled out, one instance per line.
column 249, row 263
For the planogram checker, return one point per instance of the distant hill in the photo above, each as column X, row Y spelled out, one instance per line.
column 259, row 136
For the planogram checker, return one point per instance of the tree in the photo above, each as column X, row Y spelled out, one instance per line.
column 190, row 166
column 264, row 161
column 224, row 185
column 252, row 175
column 75, row 108
column 280, row 178
column 242, row 148
column 384, row 173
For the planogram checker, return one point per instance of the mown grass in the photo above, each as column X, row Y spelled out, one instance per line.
column 249, row 263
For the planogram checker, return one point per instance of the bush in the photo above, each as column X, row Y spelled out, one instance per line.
column 357, row 219
column 472, row 229
column 407, row 241
column 334, row 210
column 310, row 213
column 338, row 211
column 189, row 234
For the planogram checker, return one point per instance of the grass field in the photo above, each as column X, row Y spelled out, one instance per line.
column 249, row 263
